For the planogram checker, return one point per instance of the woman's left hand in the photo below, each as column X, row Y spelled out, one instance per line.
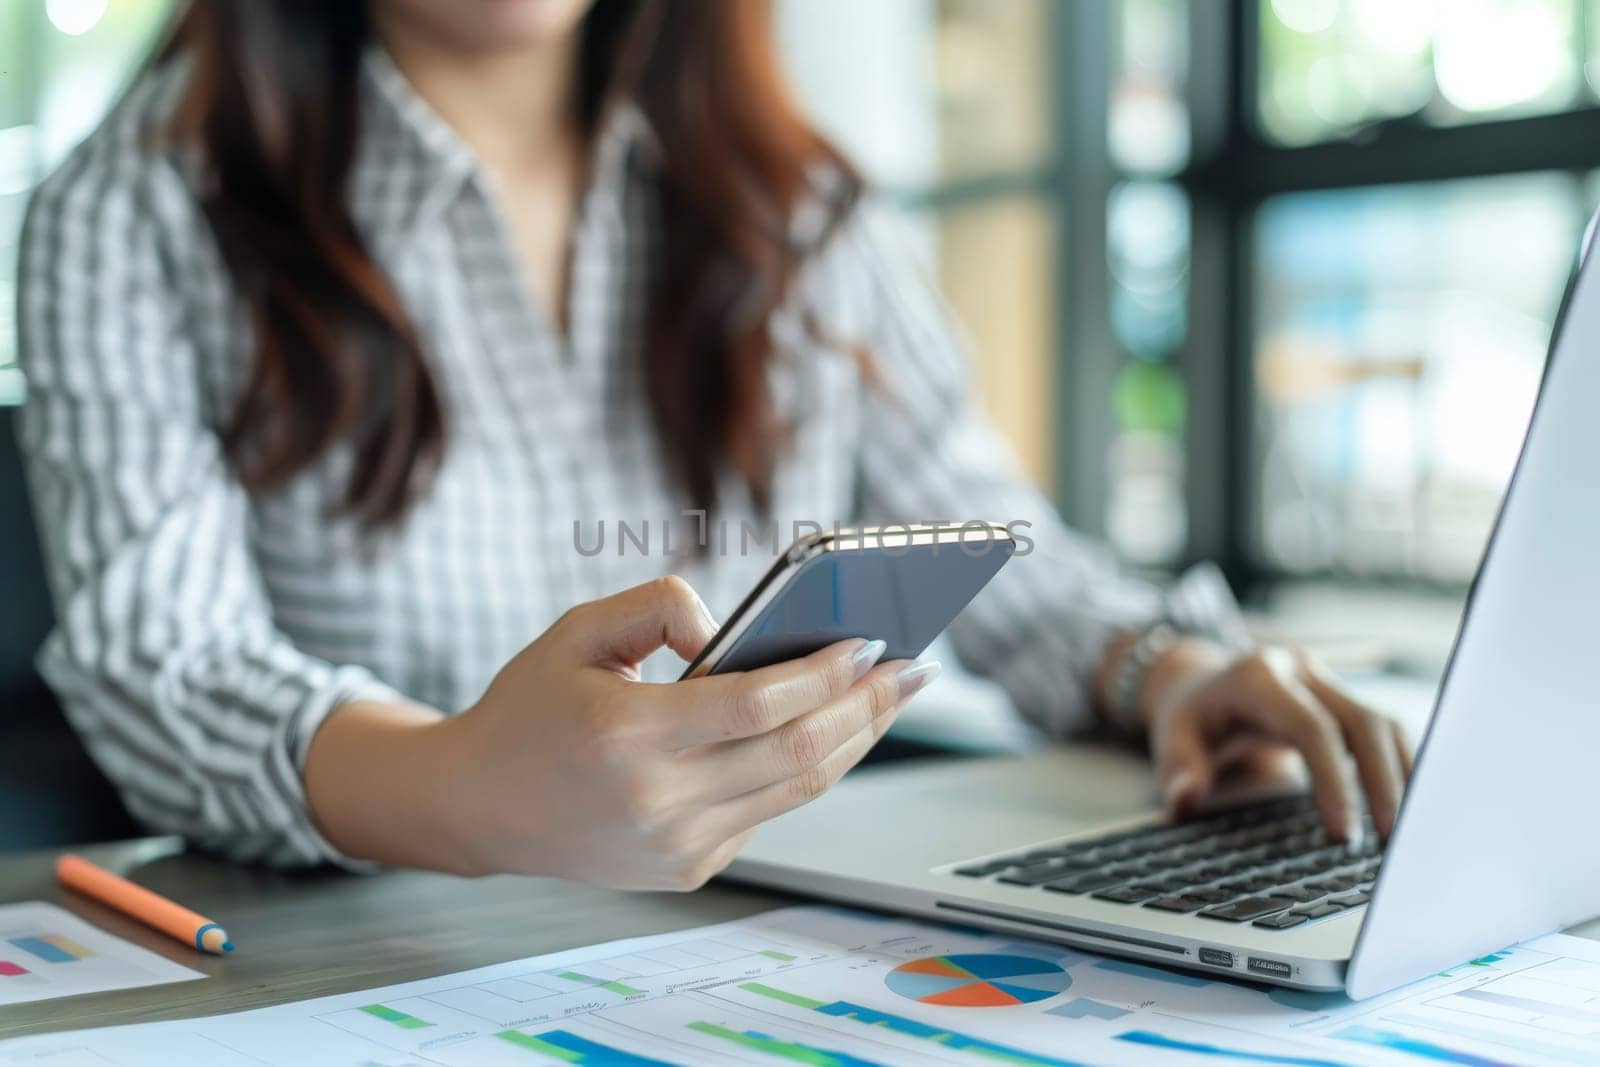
column 1212, row 717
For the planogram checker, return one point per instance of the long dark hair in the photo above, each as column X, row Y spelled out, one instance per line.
column 271, row 109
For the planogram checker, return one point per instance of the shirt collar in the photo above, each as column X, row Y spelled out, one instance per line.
column 410, row 163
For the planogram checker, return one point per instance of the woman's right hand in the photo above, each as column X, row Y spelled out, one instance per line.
column 570, row 766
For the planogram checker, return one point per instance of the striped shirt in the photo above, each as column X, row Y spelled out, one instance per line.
column 203, row 633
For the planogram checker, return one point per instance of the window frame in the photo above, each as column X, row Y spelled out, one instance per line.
column 1234, row 169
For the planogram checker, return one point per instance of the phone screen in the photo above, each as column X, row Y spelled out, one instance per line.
column 903, row 596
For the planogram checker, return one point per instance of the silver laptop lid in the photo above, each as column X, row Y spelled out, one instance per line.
column 1496, row 840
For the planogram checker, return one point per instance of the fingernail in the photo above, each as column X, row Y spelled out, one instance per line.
column 917, row 676
column 1353, row 830
column 866, row 656
column 1179, row 787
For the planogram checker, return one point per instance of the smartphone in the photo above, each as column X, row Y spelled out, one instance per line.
column 902, row 585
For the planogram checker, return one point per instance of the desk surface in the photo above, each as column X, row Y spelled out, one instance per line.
column 313, row 933
column 309, row 934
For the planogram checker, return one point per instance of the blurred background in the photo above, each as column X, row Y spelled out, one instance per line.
column 1262, row 281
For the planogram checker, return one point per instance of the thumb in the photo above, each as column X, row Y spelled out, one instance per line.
column 1183, row 762
column 624, row 628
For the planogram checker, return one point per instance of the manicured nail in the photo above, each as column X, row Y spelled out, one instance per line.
column 917, row 676
column 1179, row 786
column 866, row 656
column 1354, row 832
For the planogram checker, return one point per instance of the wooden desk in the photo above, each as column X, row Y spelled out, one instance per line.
column 309, row 934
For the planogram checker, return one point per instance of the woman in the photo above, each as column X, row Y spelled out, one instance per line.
column 349, row 328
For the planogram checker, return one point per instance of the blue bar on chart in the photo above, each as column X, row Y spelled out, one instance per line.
column 50, row 951
column 1395, row 1041
column 568, row 1047
column 800, row 1052
column 952, row 1039
column 1152, row 1039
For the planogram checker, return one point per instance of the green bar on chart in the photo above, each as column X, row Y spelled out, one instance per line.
column 788, row 998
column 569, row 1047
column 793, row 1051
column 535, row 1044
column 398, row 1018
column 600, row 983
column 774, row 954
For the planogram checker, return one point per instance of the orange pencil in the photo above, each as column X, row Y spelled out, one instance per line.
column 152, row 909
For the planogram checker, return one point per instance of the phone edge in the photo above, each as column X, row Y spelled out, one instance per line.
column 808, row 547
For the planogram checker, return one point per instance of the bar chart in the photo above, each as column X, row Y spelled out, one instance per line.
column 46, row 951
column 827, row 987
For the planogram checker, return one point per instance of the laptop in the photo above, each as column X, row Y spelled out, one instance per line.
column 1496, row 839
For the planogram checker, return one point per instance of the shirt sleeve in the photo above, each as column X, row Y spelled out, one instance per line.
column 164, row 655
column 1042, row 626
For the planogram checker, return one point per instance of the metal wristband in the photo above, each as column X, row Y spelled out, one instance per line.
column 1132, row 673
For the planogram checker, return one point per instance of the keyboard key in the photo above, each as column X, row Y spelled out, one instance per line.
column 1301, row 842
column 1119, row 852
column 1071, row 862
column 984, row 870
column 1124, row 871
column 1352, row 900
column 1128, row 894
column 1037, row 874
column 1084, row 883
column 1205, row 850
column 1281, row 921
column 1317, row 911
column 1162, row 862
column 1249, row 908
column 1169, row 884
column 1264, row 851
column 1233, row 872
column 1211, row 896
column 1210, row 872
column 1176, row 903
column 1325, row 859
column 1297, row 893
column 1247, row 886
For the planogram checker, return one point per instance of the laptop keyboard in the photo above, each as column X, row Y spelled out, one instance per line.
column 1269, row 864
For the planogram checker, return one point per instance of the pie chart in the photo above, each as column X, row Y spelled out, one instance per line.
column 978, row 980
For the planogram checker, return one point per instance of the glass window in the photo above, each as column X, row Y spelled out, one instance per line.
column 1147, row 251
column 1331, row 66
column 993, row 87
column 62, row 64
column 1148, row 239
column 923, row 95
column 993, row 260
column 1401, row 333
column 921, row 92
column 1148, row 126
column 996, row 268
